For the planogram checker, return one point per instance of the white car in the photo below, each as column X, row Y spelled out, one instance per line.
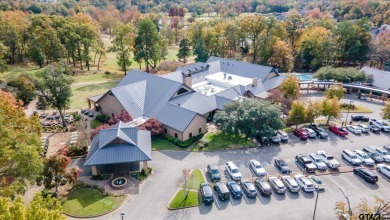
column 257, row 168
column 277, row 185
column 283, row 135
column 385, row 154
column 383, row 169
column 380, row 124
column 366, row 160
column 354, row 129
column 387, row 147
column 328, row 159
column 310, row 132
column 304, row 183
column 233, row 171
column 364, row 128
column 291, row 183
column 317, row 161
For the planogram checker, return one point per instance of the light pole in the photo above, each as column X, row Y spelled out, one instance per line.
column 122, row 214
column 350, row 104
column 349, row 205
column 315, row 206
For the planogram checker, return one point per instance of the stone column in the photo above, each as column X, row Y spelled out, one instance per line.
column 89, row 104
column 145, row 165
column 94, row 171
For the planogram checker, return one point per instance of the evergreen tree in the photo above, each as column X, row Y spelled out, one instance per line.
column 184, row 50
column 200, row 51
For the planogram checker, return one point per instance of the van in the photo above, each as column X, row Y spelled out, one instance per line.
column 222, row 191
column 351, row 157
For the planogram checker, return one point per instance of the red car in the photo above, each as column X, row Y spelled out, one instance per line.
column 338, row 130
column 301, row 134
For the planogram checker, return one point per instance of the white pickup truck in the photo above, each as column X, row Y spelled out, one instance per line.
column 328, row 159
column 380, row 124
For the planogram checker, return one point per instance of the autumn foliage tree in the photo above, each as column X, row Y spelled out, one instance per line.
column 122, row 116
column 290, row 87
column 97, row 130
column 152, row 125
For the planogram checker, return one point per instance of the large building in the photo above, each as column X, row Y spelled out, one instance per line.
column 184, row 99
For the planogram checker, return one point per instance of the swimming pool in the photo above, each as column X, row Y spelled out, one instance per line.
column 302, row 76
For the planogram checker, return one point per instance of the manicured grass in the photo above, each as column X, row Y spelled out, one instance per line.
column 179, row 200
column 161, row 144
column 194, row 180
column 359, row 109
column 90, row 202
column 81, row 92
column 94, row 123
column 219, row 140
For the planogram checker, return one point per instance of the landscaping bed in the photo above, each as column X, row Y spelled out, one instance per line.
column 89, row 202
column 179, row 200
column 217, row 141
column 356, row 109
column 161, row 144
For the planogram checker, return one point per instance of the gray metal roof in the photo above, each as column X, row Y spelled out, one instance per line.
column 221, row 102
column 95, row 98
column 195, row 102
column 230, row 93
column 273, row 82
column 175, row 117
column 132, row 97
column 135, row 146
column 193, row 67
column 381, row 78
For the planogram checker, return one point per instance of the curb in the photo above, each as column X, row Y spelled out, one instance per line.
column 125, row 200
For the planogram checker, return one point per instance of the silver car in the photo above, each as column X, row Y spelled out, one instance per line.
column 366, row 160
column 317, row 161
column 283, row 135
column 384, row 170
column 310, row 132
column 257, row 168
column 277, row 185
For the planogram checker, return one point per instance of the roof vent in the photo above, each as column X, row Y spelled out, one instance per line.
column 229, row 77
column 228, row 63
column 178, row 104
column 224, row 75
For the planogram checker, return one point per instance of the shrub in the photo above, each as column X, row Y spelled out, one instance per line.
column 45, row 193
column 347, row 106
column 63, row 182
column 76, row 116
column 180, row 143
column 98, row 176
column 76, row 151
column 107, row 72
column 102, row 118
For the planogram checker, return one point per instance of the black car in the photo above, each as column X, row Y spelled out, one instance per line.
column 359, row 118
column 213, row 171
column 206, row 193
column 264, row 187
column 366, row 174
column 222, row 191
column 305, row 163
column 321, row 133
column 282, row 166
column 234, row 189
column 262, row 140
column 249, row 188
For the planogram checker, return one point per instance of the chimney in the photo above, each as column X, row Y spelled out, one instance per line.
column 224, row 75
column 254, row 82
column 187, row 79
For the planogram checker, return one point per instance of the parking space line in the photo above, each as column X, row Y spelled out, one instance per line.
column 216, row 201
column 349, row 182
column 380, row 184
column 327, row 189
column 335, row 183
column 246, row 200
column 231, row 200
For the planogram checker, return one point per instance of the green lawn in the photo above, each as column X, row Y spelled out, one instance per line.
column 90, row 202
column 81, row 92
column 94, row 123
column 194, row 180
column 15, row 70
column 161, row 144
column 359, row 109
column 179, row 200
column 219, row 140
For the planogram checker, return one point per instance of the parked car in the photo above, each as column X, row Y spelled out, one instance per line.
column 257, row 168
column 384, row 170
column 263, row 187
column 373, row 154
column 375, row 129
column 366, row 174
column 304, row 183
column 249, row 189
column 222, row 191
column 328, row 159
column 317, row 182
column 359, row 118
column 262, row 140
column 338, row 130
column 321, row 133
column 384, row 153
column 305, row 163
column 233, row 171
column 275, row 139
column 351, row 157
column 387, row 147
column 300, row 133
column 366, row 160
column 354, row 129
column 291, row 184
column 364, row 128
column 380, row 124
column 317, row 161
column 283, row 135
column 234, row 189
column 310, row 132
column 91, row 114
column 282, row 165
column 213, row 171
column 277, row 185
column 206, row 193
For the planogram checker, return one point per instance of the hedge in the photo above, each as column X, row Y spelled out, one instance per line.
column 180, row 143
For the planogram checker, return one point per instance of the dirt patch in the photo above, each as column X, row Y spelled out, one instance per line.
column 56, row 141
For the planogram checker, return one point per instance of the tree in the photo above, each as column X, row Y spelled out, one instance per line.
column 152, row 125
column 123, row 44
column 19, row 143
column 379, row 207
column 385, row 112
column 26, row 89
column 200, row 51
column 313, row 110
column 55, row 171
column 298, row 113
column 294, row 26
column 122, row 116
column 39, row 208
column 290, row 87
column 55, row 88
column 249, row 117
column 184, row 50
column 282, row 56
column 330, row 108
column 335, row 91
column 251, row 27
column 3, row 53
column 146, row 43
column 344, row 75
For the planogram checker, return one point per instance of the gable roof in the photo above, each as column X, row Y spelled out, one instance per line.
column 195, row 102
column 175, row 117
column 135, row 146
column 381, row 78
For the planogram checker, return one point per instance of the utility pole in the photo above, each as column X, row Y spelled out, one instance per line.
column 315, row 206
column 349, row 205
